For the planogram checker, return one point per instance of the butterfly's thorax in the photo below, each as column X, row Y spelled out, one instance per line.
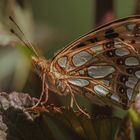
column 53, row 78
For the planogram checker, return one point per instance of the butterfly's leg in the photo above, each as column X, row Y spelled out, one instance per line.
column 129, row 45
column 71, row 102
column 43, row 93
column 75, row 101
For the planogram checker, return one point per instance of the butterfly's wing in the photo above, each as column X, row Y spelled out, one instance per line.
column 121, row 28
column 104, row 64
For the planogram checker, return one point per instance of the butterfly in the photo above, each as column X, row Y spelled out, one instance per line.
column 102, row 66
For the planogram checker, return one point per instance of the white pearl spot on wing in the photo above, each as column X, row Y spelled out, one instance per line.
column 81, row 58
column 131, row 61
column 131, row 82
column 129, row 93
column 115, row 97
column 137, row 73
column 131, row 26
column 97, row 49
column 79, row 82
column 101, row 90
column 62, row 62
column 122, row 52
column 117, row 43
column 100, row 71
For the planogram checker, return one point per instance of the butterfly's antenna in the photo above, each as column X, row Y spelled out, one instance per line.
column 13, row 32
column 27, row 42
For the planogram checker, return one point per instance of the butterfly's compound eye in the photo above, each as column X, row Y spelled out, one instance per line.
column 36, row 63
column 34, row 60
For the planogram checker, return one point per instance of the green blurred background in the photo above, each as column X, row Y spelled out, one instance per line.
column 73, row 18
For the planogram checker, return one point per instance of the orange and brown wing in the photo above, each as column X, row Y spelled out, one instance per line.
column 104, row 64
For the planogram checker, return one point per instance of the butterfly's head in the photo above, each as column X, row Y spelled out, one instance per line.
column 40, row 64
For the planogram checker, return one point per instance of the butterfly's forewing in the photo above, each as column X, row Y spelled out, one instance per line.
column 104, row 64
column 108, row 31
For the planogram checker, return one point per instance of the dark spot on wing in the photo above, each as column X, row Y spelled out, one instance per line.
column 120, row 61
column 122, row 89
column 110, row 53
column 110, row 33
column 81, row 45
column 93, row 40
column 129, row 70
column 109, row 45
column 123, row 78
